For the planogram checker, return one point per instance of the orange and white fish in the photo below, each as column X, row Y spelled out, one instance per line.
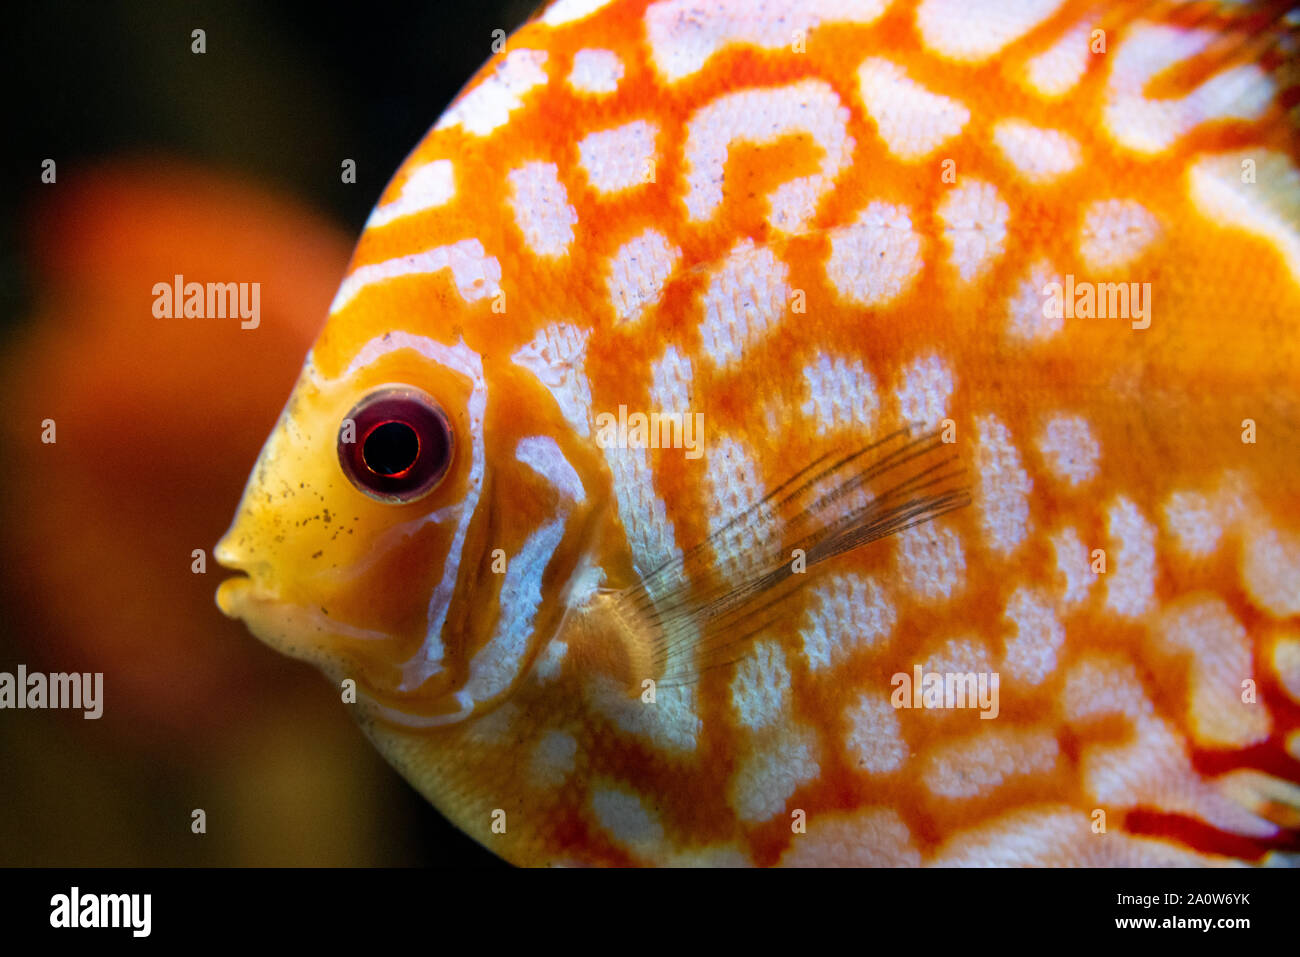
column 821, row 432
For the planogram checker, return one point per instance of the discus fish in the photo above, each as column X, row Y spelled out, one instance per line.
column 821, row 432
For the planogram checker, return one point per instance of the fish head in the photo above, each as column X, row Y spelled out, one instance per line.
column 399, row 519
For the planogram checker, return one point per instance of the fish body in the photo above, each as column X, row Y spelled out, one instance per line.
column 820, row 432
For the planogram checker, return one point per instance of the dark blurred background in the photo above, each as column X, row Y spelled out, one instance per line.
column 225, row 163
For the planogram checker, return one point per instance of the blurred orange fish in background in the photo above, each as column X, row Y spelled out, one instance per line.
column 155, row 421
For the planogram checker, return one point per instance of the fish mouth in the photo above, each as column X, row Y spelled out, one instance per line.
column 239, row 597
column 282, row 626
column 233, row 594
column 236, row 594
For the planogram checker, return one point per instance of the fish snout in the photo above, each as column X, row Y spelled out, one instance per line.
column 231, row 552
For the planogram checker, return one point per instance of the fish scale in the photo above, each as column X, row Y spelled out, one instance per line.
column 987, row 313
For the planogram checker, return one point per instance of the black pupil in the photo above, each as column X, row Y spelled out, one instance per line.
column 391, row 448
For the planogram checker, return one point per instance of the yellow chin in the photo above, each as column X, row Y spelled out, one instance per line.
column 277, row 623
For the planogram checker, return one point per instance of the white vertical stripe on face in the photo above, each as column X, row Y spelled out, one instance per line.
column 464, row 361
column 498, row 662
column 542, row 454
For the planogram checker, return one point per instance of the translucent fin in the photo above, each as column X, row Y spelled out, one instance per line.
column 694, row 618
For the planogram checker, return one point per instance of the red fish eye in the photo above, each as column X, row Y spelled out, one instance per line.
column 395, row 445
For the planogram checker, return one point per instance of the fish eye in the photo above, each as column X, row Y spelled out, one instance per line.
column 395, row 445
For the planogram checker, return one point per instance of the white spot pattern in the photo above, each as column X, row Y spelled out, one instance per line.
column 733, row 480
column 427, row 187
column 745, row 297
column 488, row 106
column 864, row 837
column 1026, row 319
column 1002, row 492
column 1131, row 574
column 1069, row 448
column 684, row 34
column 541, row 207
column 553, row 759
column 596, row 71
column 1152, row 126
column 841, row 394
column 672, row 722
column 926, row 390
column 624, row 815
column 975, row 226
column 772, row 771
column 475, row 273
column 931, row 561
column 846, row 613
column 761, row 116
column 1116, row 232
column 671, row 377
column 1056, row 70
column 911, row 120
column 1039, row 636
column 1219, row 657
column 1072, row 559
column 1040, row 155
column 972, row 31
column 638, row 272
column 1270, row 570
column 619, row 158
column 980, row 764
column 760, row 690
column 874, row 742
column 876, row 259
